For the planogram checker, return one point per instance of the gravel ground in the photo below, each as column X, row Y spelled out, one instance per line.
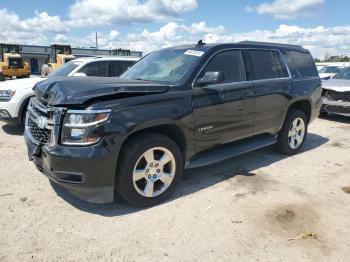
column 243, row 209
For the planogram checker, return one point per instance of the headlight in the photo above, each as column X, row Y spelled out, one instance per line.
column 79, row 126
column 7, row 94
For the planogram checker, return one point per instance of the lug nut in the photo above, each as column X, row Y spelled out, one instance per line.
column 156, row 165
column 158, row 170
column 154, row 176
column 147, row 170
column 151, row 165
column 149, row 176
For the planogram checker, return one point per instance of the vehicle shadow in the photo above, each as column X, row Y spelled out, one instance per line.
column 16, row 130
column 197, row 179
column 337, row 118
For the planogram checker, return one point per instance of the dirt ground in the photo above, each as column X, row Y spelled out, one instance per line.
column 242, row 209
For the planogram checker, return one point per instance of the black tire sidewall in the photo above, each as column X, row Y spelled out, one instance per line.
column 130, row 154
column 282, row 140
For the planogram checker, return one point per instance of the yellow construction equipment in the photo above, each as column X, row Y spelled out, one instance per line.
column 11, row 63
column 60, row 54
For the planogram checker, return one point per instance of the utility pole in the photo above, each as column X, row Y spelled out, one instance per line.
column 96, row 41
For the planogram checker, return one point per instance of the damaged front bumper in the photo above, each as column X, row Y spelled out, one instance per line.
column 86, row 172
column 336, row 107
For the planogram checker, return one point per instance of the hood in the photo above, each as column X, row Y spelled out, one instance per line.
column 79, row 90
column 20, row 83
column 339, row 85
column 326, row 75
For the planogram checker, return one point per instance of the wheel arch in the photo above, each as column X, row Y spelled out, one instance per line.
column 171, row 130
column 303, row 105
column 22, row 108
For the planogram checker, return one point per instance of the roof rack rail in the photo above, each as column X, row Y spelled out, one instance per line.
column 266, row 43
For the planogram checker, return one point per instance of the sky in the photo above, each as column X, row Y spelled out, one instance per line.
column 323, row 26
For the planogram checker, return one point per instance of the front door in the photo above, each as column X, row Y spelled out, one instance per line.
column 224, row 112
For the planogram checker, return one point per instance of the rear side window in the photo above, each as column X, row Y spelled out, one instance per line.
column 116, row 68
column 304, row 63
column 267, row 64
column 95, row 69
column 230, row 63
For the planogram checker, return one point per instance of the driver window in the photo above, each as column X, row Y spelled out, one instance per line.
column 230, row 63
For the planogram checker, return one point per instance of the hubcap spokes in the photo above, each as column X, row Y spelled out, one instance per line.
column 154, row 172
column 296, row 133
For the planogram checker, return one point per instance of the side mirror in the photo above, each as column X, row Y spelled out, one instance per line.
column 79, row 74
column 210, row 78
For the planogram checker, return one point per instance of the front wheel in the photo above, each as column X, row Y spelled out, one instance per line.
column 293, row 133
column 149, row 168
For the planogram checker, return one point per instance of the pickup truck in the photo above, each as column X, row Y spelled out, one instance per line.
column 179, row 107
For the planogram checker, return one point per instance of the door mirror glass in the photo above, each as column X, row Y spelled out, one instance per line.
column 79, row 74
column 210, row 78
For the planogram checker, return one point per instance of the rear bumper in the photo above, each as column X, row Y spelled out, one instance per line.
column 86, row 172
column 336, row 107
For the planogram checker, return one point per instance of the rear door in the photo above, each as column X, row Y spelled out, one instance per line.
column 273, row 87
column 224, row 112
column 116, row 68
column 98, row 68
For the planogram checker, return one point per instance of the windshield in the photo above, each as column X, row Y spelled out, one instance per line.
column 65, row 70
column 169, row 66
column 345, row 74
column 15, row 62
column 331, row 69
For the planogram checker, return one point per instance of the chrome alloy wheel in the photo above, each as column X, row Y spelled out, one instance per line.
column 296, row 133
column 154, row 172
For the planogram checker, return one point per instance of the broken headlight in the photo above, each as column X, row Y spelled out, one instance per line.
column 80, row 126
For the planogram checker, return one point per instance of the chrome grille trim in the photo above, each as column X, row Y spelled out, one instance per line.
column 42, row 123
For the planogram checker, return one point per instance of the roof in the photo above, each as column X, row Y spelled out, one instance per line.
column 107, row 58
column 243, row 44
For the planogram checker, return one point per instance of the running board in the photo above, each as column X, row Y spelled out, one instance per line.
column 231, row 150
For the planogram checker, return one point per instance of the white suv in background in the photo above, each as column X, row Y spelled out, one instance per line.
column 15, row 94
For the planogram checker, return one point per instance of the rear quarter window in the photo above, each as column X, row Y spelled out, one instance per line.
column 301, row 64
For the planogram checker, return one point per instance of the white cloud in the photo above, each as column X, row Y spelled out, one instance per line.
column 286, row 9
column 92, row 12
column 30, row 30
column 320, row 40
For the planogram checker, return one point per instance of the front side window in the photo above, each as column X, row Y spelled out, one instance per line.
column 167, row 66
column 267, row 64
column 116, row 68
column 95, row 69
column 65, row 70
column 331, row 69
column 230, row 63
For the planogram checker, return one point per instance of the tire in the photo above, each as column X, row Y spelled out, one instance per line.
column 135, row 189
column 290, row 140
column 2, row 78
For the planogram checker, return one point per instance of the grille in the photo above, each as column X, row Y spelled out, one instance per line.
column 42, row 135
column 39, row 122
column 336, row 96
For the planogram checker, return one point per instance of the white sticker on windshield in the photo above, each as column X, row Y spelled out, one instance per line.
column 194, row 53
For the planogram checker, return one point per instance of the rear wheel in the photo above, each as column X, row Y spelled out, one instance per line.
column 2, row 78
column 149, row 169
column 293, row 134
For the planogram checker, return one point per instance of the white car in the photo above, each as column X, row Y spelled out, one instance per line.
column 329, row 72
column 15, row 94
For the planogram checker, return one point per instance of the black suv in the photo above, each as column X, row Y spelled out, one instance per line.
column 179, row 107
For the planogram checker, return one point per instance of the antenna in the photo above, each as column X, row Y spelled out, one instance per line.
column 200, row 43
